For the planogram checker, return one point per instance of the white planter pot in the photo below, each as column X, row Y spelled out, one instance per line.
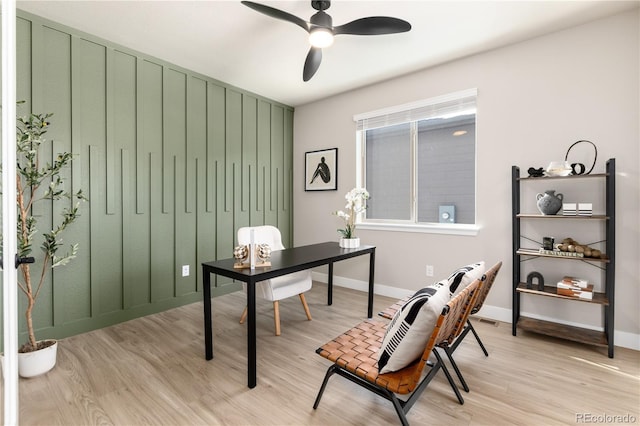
column 33, row 364
column 349, row 242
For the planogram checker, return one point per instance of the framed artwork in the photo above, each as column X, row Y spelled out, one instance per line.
column 321, row 170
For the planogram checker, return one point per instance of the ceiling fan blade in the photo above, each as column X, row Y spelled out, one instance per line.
column 277, row 13
column 373, row 25
column 312, row 63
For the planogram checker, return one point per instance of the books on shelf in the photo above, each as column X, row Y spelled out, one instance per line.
column 568, row 288
column 575, row 281
column 560, row 253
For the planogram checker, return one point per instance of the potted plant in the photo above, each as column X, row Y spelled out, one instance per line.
column 356, row 204
column 35, row 183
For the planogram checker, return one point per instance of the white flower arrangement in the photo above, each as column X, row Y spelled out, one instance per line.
column 356, row 204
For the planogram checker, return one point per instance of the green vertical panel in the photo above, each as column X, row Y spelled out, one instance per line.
column 215, row 139
column 106, row 277
column 135, row 228
column 285, row 221
column 249, row 150
column 277, row 138
column 141, row 155
column 110, row 137
column 233, row 164
column 196, row 133
column 162, row 237
column 174, row 148
column 224, row 215
column 264, row 158
column 205, row 224
column 149, row 127
column 174, row 136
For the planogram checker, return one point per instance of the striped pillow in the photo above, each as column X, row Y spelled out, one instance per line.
column 462, row 277
column 411, row 327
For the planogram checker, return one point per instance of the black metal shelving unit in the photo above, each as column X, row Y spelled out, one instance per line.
column 606, row 299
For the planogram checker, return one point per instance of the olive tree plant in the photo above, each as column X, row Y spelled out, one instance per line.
column 36, row 183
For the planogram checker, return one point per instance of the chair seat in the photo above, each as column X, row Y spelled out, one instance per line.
column 357, row 352
column 286, row 286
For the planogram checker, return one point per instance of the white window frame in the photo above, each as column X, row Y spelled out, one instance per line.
column 410, row 112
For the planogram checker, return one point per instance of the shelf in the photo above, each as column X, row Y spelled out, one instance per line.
column 534, row 252
column 560, row 216
column 595, row 175
column 576, row 334
column 598, row 298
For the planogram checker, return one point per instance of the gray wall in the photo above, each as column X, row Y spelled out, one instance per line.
column 535, row 99
column 172, row 162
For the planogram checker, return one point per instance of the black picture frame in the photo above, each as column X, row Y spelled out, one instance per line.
column 321, row 170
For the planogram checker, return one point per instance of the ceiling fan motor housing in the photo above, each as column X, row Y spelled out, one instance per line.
column 320, row 5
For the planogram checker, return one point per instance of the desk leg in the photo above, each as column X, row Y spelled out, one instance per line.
column 206, row 299
column 251, row 334
column 372, row 263
column 330, row 285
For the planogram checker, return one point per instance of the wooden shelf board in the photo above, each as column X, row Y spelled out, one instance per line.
column 534, row 252
column 550, row 291
column 567, row 332
column 561, row 216
column 594, row 175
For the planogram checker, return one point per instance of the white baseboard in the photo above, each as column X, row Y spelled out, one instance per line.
column 622, row 338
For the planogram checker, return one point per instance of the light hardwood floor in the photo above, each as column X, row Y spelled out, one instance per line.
column 152, row 371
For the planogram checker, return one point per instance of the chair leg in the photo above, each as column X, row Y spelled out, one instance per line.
column 330, row 372
column 243, row 317
column 456, row 369
column 449, row 378
column 305, row 306
column 473, row 330
column 276, row 316
column 399, row 409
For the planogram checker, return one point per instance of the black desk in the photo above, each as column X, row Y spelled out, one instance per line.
column 283, row 262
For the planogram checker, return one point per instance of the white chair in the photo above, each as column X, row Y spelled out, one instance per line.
column 277, row 288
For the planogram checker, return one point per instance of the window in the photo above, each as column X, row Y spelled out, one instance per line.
column 418, row 163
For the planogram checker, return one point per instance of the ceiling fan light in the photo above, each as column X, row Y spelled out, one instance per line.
column 321, row 37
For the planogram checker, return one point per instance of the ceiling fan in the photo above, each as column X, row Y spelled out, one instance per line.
column 321, row 30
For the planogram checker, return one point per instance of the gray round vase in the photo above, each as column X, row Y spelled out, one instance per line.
column 549, row 203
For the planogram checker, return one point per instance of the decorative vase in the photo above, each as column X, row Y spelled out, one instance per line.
column 349, row 242
column 31, row 364
column 549, row 203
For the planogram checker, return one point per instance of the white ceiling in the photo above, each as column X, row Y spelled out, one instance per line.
column 239, row 46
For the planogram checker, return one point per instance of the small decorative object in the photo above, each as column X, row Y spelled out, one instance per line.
column 263, row 252
column 240, row 253
column 585, row 209
column 547, row 243
column 579, row 168
column 321, row 170
column 558, row 168
column 569, row 209
column 549, row 203
column 356, row 204
column 533, row 172
column 570, row 247
column 537, row 276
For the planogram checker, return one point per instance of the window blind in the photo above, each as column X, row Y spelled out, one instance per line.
column 450, row 105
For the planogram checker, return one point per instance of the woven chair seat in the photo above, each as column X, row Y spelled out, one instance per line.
column 389, row 313
column 357, row 352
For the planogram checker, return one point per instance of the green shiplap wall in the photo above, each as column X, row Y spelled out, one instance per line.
column 173, row 163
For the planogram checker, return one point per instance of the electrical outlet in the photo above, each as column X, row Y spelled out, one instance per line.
column 429, row 270
column 185, row 270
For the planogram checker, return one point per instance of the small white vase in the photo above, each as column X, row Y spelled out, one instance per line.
column 349, row 242
column 31, row 364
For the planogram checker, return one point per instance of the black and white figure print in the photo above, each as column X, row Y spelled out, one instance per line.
column 321, row 170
